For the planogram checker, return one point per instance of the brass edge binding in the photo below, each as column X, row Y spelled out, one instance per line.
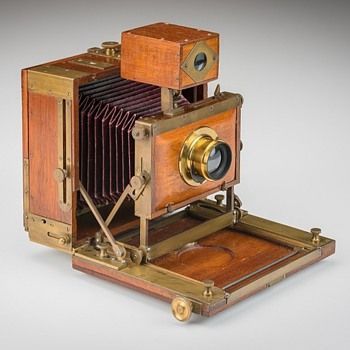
column 53, row 80
column 92, row 64
column 196, row 111
column 25, row 192
column 280, row 233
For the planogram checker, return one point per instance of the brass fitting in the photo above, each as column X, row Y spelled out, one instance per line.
column 315, row 235
column 219, row 199
column 110, row 47
column 208, row 288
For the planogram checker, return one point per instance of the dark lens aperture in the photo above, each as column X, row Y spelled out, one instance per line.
column 200, row 61
column 219, row 161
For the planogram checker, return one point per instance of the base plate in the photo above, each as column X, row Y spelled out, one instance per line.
column 250, row 256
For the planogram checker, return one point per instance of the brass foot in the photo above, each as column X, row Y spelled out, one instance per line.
column 181, row 309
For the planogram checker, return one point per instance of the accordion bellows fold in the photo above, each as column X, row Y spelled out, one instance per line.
column 108, row 111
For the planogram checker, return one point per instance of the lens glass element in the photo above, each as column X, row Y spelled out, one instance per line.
column 200, row 61
column 219, row 161
column 214, row 160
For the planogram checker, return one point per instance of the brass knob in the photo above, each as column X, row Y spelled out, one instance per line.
column 208, row 288
column 137, row 182
column 181, row 309
column 60, row 174
column 93, row 50
column 315, row 235
column 139, row 133
column 64, row 240
column 110, row 47
column 219, row 199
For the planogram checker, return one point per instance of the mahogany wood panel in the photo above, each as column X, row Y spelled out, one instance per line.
column 43, row 158
column 161, row 229
column 169, row 186
column 224, row 257
column 25, row 113
column 153, row 54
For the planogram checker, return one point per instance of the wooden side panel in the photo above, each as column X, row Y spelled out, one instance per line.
column 170, row 187
column 150, row 60
column 43, row 158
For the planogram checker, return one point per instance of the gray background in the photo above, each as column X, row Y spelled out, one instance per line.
column 290, row 60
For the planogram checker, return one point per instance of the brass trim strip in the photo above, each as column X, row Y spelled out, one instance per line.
column 271, row 278
column 25, row 192
column 264, row 268
column 59, row 72
column 64, row 128
column 174, row 283
column 192, row 113
column 92, row 64
column 277, row 232
column 49, row 85
column 191, row 235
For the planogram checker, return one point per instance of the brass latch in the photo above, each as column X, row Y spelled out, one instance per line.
column 61, row 239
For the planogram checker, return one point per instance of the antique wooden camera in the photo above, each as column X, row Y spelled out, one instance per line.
column 121, row 148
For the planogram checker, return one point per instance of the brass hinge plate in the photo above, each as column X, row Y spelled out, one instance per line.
column 49, row 232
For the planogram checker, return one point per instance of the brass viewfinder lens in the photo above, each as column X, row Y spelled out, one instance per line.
column 204, row 157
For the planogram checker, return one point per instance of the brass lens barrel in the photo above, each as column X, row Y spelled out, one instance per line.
column 204, row 157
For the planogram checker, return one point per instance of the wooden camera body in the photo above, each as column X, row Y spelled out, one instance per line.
column 121, row 148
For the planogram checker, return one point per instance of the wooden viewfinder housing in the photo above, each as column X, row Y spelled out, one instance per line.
column 165, row 54
column 121, row 148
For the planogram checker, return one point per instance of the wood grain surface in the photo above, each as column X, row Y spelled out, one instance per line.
column 224, row 257
column 154, row 54
column 167, row 148
column 43, row 158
